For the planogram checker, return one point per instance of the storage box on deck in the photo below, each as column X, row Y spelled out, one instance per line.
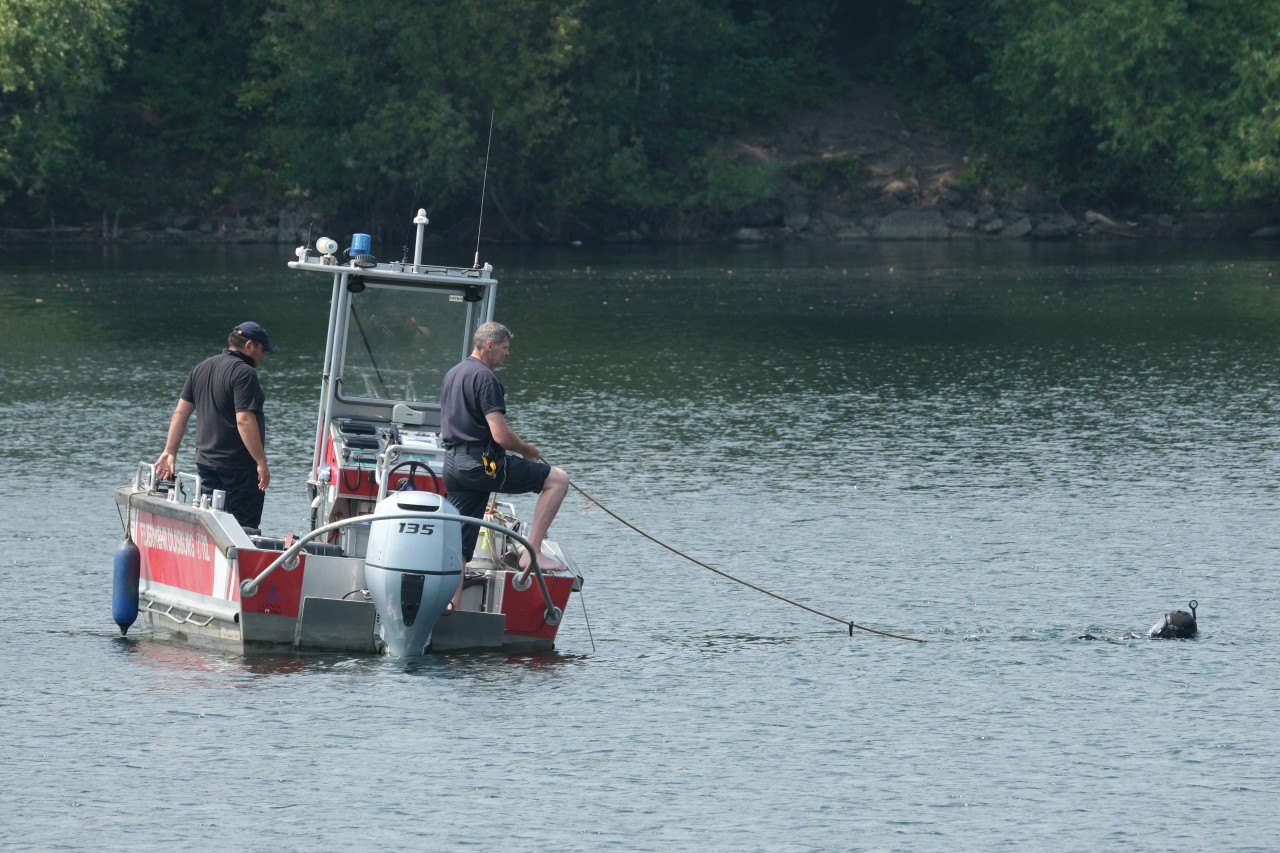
column 355, row 542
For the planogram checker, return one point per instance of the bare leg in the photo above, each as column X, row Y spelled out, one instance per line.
column 544, row 512
column 456, row 602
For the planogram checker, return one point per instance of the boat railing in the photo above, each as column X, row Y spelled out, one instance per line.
column 521, row 581
column 184, row 488
column 144, row 479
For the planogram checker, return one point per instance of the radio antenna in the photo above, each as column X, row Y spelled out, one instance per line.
column 484, row 182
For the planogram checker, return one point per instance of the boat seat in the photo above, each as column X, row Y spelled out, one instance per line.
column 356, row 427
column 323, row 549
column 319, row 549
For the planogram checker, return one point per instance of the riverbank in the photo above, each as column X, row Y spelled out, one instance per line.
column 859, row 170
column 1026, row 214
column 864, row 171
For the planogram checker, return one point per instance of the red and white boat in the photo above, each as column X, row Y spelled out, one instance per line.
column 381, row 556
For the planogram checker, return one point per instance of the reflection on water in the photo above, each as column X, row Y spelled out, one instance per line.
column 189, row 663
column 179, row 659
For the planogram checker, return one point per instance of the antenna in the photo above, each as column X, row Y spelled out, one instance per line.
column 417, row 187
column 484, row 182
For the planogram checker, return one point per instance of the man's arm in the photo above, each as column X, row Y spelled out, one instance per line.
column 507, row 439
column 177, row 429
column 247, row 424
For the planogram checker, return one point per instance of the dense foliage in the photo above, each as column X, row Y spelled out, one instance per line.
column 607, row 113
column 1174, row 102
column 56, row 61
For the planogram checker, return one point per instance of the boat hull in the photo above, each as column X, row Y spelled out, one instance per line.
column 192, row 561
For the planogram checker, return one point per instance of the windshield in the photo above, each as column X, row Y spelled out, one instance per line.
column 400, row 342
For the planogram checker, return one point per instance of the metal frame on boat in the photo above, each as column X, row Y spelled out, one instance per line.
column 382, row 555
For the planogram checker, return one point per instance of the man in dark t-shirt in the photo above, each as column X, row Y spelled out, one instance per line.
column 478, row 440
column 224, row 394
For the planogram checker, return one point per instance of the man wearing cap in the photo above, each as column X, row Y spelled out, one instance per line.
column 224, row 394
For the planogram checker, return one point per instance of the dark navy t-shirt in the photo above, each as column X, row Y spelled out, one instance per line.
column 470, row 391
column 220, row 386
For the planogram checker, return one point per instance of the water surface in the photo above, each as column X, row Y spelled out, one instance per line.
column 993, row 448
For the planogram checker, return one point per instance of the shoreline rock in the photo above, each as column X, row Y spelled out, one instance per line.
column 1027, row 213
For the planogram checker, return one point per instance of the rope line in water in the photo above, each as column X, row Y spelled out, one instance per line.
column 738, row 580
column 585, row 618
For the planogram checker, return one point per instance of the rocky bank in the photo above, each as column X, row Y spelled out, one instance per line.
column 855, row 171
column 913, row 183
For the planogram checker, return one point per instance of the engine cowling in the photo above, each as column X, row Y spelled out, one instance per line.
column 412, row 567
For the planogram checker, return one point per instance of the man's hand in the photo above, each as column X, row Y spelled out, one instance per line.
column 165, row 465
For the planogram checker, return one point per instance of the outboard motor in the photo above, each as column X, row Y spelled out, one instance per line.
column 1176, row 625
column 412, row 568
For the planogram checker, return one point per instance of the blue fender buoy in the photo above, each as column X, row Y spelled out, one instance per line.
column 124, row 586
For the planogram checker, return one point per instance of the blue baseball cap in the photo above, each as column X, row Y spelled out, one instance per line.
column 254, row 332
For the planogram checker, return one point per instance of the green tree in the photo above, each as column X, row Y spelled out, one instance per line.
column 1172, row 102
column 600, row 109
column 55, row 60
column 173, row 130
column 657, row 93
column 365, row 109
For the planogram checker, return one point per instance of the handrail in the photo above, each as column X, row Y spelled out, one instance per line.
column 249, row 586
column 226, row 612
column 145, row 480
column 179, row 491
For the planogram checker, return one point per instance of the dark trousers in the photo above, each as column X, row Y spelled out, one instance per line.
column 469, row 486
column 244, row 498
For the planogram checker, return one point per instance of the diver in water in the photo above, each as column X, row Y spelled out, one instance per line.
column 1178, row 625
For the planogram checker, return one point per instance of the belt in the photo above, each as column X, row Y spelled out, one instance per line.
column 467, row 448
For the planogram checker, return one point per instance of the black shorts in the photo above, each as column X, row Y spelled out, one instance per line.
column 468, row 487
